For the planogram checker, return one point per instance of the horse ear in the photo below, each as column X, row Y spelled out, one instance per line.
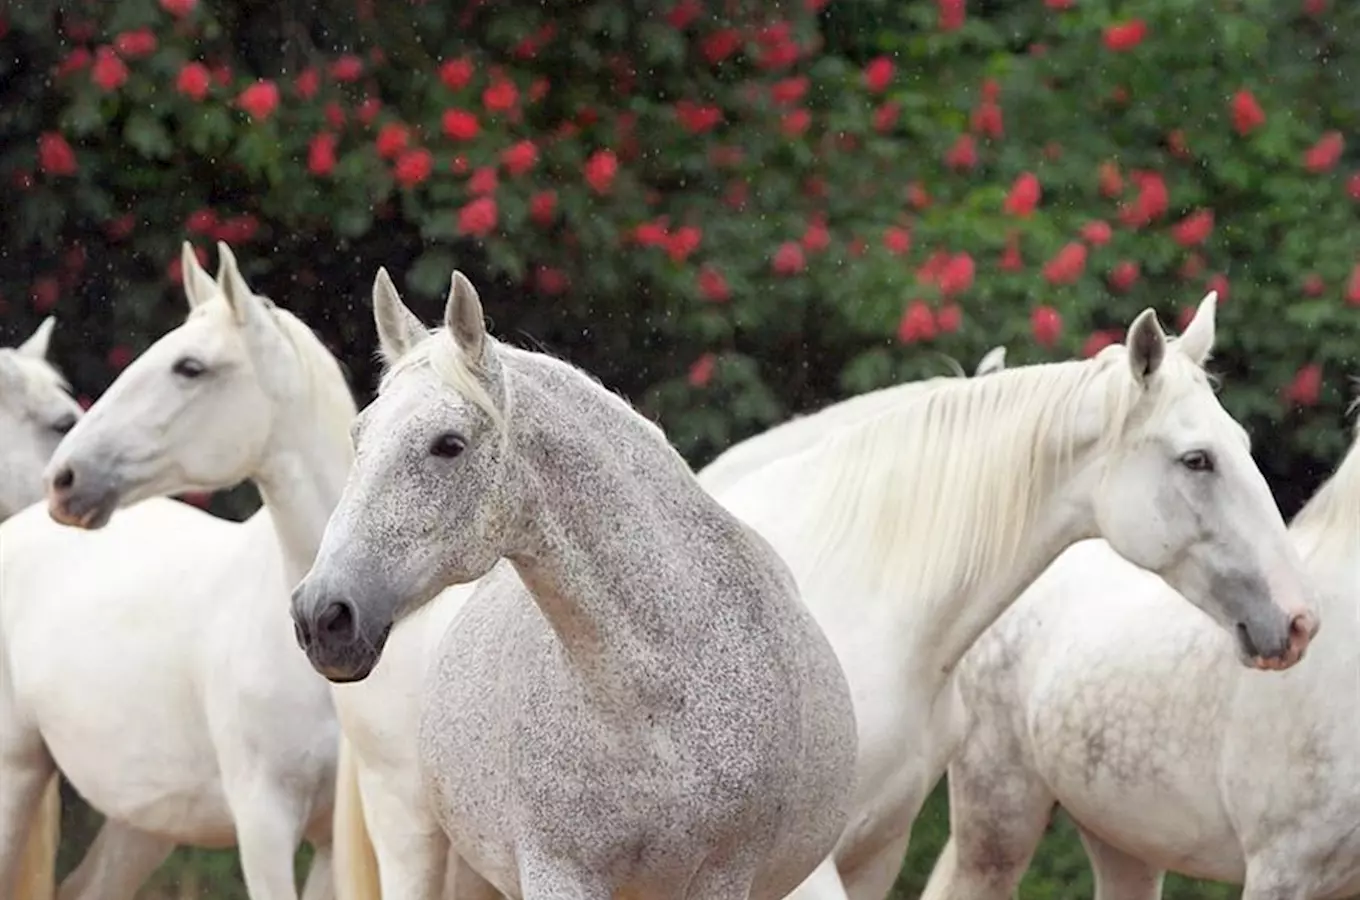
column 1147, row 346
column 199, row 286
column 994, row 361
column 398, row 328
column 240, row 297
column 37, row 344
column 463, row 317
column 1197, row 341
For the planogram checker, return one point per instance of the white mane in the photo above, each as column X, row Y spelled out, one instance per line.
column 442, row 355
column 962, row 469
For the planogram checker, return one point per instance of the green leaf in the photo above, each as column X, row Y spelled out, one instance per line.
column 145, row 134
column 430, row 274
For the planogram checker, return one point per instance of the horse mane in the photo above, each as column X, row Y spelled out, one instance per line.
column 446, row 359
column 1331, row 517
column 938, row 493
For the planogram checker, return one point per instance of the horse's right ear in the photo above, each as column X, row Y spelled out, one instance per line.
column 994, row 361
column 398, row 328
column 37, row 344
column 1147, row 346
column 199, row 286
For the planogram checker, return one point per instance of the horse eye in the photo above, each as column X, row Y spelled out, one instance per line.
column 188, row 367
column 447, row 445
column 1198, row 461
column 65, row 423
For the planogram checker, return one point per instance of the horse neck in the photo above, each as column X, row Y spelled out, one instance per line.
column 1326, row 533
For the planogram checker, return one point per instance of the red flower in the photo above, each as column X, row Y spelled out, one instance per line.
column 1010, row 257
column 1353, row 286
column 949, row 318
column 194, row 81
column 897, row 240
column 1097, row 233
column 1067, row 265
column 956, row 275
column 135, row 44
column 460, row 125
column 120, row 228
column 1313, row 285
column 347, row 68
column 719, row 45
column 1046, row 324
column 44, row 293
column 479, row 217
column 392, row 139
column 1124, row 275
column 1111, row 182
column 551, row 281
column 951, row 14
column 1150, row 204
column 816, row 237
column 1175, row 142
column 237, row 229
column 413, row 167
column 1024, row 196
column 108, row 71
column 222, row 75
column 456, row 73
column 1194, row 228
column 1247, row 113
column 713, row 285
column 260, row 99
column 917, row 323
column 307, row 84
column 1323, row 155
column 885, row 117
column 500, row 96
column 179, row 8
column 796, row 122
column 1098, row 341
column 702, row 371
column 878, row 74
column 1306, row 386
column 55, row 156
column 682, row 242
column 1125, row 36
column 697, row 119
column 520, row 157
column 987, row 119
column 368, row 110
column 788, row 259
column 334, row 115
column 483, row 181
column 683, row 13
column 76, row 60
column 542, row 208
column 963, row 155
column 321, row 153
column 789, row 90
column 600, row 170
column 1219, row 283
column 201, row 221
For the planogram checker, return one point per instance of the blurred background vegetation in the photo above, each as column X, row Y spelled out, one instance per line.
column 729, row 211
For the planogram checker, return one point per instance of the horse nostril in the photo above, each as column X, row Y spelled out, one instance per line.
column 1244, row 638
column 337, row 621
column 304, row 637
column 63, row 480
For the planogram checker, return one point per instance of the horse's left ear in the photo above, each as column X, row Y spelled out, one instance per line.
column 240, row 297
column 1197, row 341
column 37, row 344
column 463, row 317
column 994, row 361
column 1146, row 345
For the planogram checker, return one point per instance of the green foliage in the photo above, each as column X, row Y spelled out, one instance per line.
column 830, row 204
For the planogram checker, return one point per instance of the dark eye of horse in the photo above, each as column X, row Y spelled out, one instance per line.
column 188, row 367
column 65, row 423
column 447, row 445
column 1198, row 461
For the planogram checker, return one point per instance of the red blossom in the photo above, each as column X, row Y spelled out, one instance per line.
column 1098, row 341
column 413, row 167
column 368, row 110
column 1246, row 112
column 135, row 44
column 1313, row 285
column 201, row 221
column 307, row 84
column 1010, row 257
column 788, row 259
column 1067, row 265
column 478, row 218
column 796, row 122
column 260, row 99
column 76, row 60
column 1097, row 233
column 551, row 281
column 600, row 170
column 1125, row 36
column 179, row 8
column 1314, row 8
column 713, row 285
column 986, row 119
column 1219, row 282
column 108, row 71
column 952, row 14
column 456, row 73
column 816, row 237
column 120, row 228
column 788, row 91
column 949, row 318
column 321, row 153
column 878, row 74
column 956, row 276
column 1150, row 204
column 963, row 155
column 222, row 75
column 1306, row 386
column 696, row 118
column 1324, row 155
column 897, row 240
column 347, row 68
column 720, row 44
column 1353, row 286
column 392, row 139
column 682, row 242
column 44, row 293
column 1111, row 182
column 519, row 157
column 335, row 115
column 237, row 230
column 1024, row 195
column 885, row 117
column 483, row 181
column 1194, row 228
column 652, row 234
column 500, row 96
column 701, row 372
column 460, row 125
column 193, row 81
column 55, row 156
column 682, row 14
column 917, row 195
column 1046, row 324
column 542, row 208
column 1124, row 275
column 917, row 323
column 120, row 355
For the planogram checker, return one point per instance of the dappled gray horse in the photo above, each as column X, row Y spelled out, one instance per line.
column 664, row 719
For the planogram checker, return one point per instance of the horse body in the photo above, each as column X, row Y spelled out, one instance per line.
column 899, row 540
column 1128, row 710
column 632, row 702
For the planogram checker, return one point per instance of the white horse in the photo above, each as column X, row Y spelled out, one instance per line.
column 635, row 704
column 152, row 659
column 36, row 410
column 801, row 432
column 1103, row 691
column 378, row 783
column 912, row 531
